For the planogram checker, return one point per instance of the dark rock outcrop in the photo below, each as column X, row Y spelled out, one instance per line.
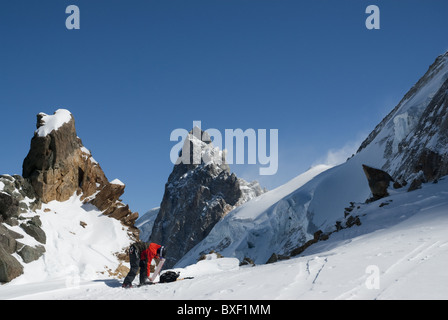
column 379, row 181
column 10, row 268
column 14, row 190
column 431, row 164
column 30, row 254
column 9, row 207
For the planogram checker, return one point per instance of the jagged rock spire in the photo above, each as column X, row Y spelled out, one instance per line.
column 200, row 191
column 58, row 165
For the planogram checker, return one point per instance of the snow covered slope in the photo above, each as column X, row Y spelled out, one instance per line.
column 81, row 244
column 290, row 217
column 260, row 223
column 399, row 252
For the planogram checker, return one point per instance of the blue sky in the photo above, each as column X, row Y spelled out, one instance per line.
column 137, row 70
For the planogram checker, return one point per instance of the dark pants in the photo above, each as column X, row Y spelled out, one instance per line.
column 136, row 263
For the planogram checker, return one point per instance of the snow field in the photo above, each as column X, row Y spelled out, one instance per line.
column 81, row 243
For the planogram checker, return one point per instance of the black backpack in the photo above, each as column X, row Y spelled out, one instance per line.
column 169, row 276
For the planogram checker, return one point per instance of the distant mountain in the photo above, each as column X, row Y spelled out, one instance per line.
column 410, row 145
column 198, row 194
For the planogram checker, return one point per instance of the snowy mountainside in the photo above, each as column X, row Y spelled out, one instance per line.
column 404, row 242
column 412, row 104
column 417, row 125
column 237, row 233
column 320, row 203
column 292, row 217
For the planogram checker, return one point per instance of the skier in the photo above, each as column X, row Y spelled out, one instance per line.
column 140, row 256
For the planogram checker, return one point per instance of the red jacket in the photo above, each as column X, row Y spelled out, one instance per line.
column 148, row 255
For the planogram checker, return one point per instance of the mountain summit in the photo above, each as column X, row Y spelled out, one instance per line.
column 58, row 165
column 200, row 191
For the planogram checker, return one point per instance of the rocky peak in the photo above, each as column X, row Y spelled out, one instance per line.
column 200, row 191
column 58, row 165
column 199, row 152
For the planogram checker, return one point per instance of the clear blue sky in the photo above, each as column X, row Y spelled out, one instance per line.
column 138, row 69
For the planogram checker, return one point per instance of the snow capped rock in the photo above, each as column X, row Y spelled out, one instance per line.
column 49, row 123
column 118, row 182
column 200, row 191
column 58, row 165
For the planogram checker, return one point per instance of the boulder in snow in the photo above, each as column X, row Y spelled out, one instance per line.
column 379, row 181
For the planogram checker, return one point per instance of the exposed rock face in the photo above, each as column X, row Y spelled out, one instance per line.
column 379, row 181
column 10, row 268
column 16, row 197
column 58, row 165
column 196, row 197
